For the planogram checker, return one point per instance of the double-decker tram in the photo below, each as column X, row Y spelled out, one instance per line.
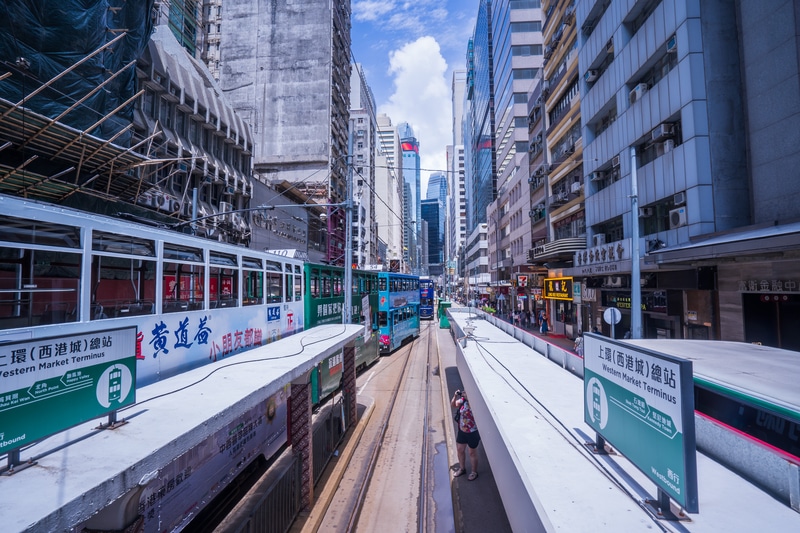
column 324, row 304
column 426, row 297
column 193, row 301
column 398, row 309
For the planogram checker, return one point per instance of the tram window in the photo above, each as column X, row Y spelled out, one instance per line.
column 183, row 253
column 252, row 263
column 298, row 287
column 289, row 286
column 253, row 287
column 184, row 287
column 123, row 286
column 314, row 283
column 382, row 319
column 216, row 258
column 382, row 284
column 20, row 231
column 325, row 281
column 122, row 244
column 44, row 285
column 223, row 287
column 274, row 282
column 337, row 284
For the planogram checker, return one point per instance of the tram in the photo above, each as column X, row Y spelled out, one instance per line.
column 324, row 303
column 426, row 298
column 65, row 272
column 398, row 309
column 749, row 389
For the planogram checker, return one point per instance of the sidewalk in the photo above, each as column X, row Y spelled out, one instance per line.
column 477, row 506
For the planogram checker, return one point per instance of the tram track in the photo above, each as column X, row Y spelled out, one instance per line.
column 378, row 446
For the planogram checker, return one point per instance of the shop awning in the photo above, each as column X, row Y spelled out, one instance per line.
column 743, row 242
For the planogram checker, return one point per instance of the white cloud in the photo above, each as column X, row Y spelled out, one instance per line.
column 422, row 98
column 372, row 9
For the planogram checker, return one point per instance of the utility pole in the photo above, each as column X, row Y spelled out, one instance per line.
column 636, row 286
column 347, row 317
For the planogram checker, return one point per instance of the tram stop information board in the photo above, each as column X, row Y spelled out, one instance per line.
column 642, row 402
column 51, row 384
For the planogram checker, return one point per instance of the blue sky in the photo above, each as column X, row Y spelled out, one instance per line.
column 408, row 51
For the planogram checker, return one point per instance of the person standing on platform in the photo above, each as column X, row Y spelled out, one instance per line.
column 467, row 436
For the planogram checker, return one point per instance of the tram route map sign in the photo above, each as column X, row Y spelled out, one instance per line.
column 642, row 402
column 50, row 384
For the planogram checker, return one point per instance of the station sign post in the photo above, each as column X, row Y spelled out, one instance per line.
column 50, row 384
column 642, row 402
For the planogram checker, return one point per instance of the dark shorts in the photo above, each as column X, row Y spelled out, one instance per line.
column 470, row 439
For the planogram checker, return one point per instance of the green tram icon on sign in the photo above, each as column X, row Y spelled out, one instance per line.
column 115, row 385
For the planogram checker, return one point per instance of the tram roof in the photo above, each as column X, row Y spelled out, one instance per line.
column 762, row 372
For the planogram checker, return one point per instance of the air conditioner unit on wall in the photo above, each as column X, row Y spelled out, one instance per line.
column 679, row 198
column 637, row 92
column 590, row 75
column 677, row 218
column 645, row 212
column 661, row 132
column 615, row 161
column 614, row 281
column 599, row 239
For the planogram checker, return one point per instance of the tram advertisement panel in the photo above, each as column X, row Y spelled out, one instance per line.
column 642, row 402
column 50, row 384
column 170, row 501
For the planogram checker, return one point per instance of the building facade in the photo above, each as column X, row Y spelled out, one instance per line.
column 299, row 117
column 412, row 207
column 432, row 212
column 389, row 186
column 364, row 128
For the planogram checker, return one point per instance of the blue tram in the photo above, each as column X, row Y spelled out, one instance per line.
column 426, row 297
column 398, row 309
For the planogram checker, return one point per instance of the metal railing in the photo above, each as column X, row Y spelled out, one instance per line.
column 279, row 506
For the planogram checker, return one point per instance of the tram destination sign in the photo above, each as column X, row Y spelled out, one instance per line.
column 642, row 402
column 50, row 384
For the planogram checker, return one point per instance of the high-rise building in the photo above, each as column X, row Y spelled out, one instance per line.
column 437, row 187
column 299, row 116
column 479, row 128
column 389, row 186
column 685, row 105
column 409, row 148
column 364, row 131
column 456, row 200
column 504, row 64
column 432, row 214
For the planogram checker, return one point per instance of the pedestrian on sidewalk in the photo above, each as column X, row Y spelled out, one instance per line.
column 542, row 322
column 467, row 436
column 578, row 348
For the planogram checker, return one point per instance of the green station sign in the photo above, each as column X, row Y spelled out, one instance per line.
column 49, row 385
column 643, row 403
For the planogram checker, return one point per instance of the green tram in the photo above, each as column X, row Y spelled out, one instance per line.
column 324, row 302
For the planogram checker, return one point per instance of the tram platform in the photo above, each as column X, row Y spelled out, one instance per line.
column 529, row 410
column 173, row 431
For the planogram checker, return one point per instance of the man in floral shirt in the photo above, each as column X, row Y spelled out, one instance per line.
column 467, row 435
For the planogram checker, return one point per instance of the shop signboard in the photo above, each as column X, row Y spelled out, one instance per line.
column 50, row 384
column 558, row 288
column 642, row 402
